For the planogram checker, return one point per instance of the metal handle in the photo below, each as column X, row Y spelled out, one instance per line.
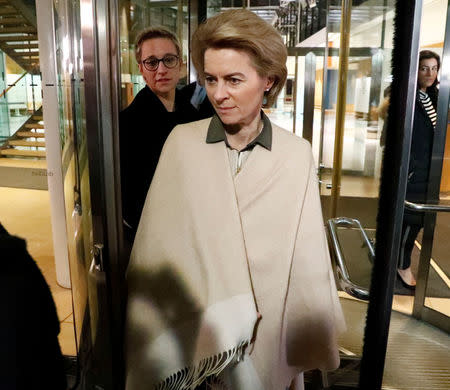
column 433, row 208
column 97, row 258
column 327, row 185
column 344, row 278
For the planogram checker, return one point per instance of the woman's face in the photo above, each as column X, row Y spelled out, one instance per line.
column 163, row 80
column 427, row 73
column 233, row 86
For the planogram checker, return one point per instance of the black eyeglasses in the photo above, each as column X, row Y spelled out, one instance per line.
column 170, row 61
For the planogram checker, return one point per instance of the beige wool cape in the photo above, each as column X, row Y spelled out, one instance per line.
column 230, row 275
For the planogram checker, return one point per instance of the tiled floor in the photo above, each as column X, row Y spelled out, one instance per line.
column 26, row 213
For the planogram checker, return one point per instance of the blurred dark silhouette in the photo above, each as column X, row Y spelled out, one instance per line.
column 30, row 355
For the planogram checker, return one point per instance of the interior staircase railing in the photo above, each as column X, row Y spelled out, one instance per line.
column 18, row 33
column 21, row 123
column 13, row 84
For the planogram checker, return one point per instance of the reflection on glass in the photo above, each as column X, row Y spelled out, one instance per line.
column 437, row 295
column 135, row 16
column 416, row 349
column 20, row 97
column 368, row 75
column 72, row 121
column 282, row 112
column 438, row 284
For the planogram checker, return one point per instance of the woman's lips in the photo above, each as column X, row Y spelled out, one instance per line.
column 224, row 109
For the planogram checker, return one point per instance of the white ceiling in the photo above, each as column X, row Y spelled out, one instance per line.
column 368, row 33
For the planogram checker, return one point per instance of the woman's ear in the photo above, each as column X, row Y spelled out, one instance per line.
column 270, row 82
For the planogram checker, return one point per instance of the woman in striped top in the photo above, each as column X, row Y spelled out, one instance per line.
column 420, row 157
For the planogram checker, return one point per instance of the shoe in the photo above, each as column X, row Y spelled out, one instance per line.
column 404, row 284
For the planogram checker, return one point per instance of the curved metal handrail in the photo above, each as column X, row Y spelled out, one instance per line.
column 434, row 208
column 343, row 275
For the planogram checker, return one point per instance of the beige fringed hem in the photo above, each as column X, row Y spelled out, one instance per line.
column 178, row 359
column 190, row 377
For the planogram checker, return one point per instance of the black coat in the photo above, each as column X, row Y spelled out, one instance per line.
column 144, row 127
column 419, row 160
column 30, row 355
column 420, row 155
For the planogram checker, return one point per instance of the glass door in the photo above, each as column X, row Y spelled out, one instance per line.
column 368, row 74
column 135, row 16
column 93, row 239
column 432, row 298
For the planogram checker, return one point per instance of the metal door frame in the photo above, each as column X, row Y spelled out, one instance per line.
column 392, row 192
column 308, row 100
column 99, row 31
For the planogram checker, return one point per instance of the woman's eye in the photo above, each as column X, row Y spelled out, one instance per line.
column 209, row 80
column 235, row 81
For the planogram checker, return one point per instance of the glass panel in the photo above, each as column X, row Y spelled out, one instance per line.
column 438, row 284
column 437, row 295
column 437, row 275
column 282, row 112
column 318, row 119
column 75, row 165
column 300, row 88
column 20, row 97
column 135, row 16
column 417, row 350
column 368, row 74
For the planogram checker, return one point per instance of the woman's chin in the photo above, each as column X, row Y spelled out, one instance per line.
column 226, row 119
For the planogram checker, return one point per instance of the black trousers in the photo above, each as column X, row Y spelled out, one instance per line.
column 409, row 235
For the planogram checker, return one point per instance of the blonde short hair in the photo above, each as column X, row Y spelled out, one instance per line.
column 243, row 30
column 152, row 33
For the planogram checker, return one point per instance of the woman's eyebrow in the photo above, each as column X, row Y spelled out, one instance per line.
column 227, row 75
column 235, row 74
column 166, row 54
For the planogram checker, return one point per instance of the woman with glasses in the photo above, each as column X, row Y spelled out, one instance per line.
column 420, row 158
column 146, row 123
column 230, row 281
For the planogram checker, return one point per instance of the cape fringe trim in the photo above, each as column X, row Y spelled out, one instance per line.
column 189, row 378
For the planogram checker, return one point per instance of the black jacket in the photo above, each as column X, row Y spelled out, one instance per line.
column 144, row 127
column 419, row 162
column 30, row 355
column 420, row 155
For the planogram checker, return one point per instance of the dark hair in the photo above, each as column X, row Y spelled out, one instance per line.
column 151, row 33
column 432, row 90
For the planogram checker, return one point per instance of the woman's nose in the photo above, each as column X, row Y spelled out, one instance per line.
column 161, row 68
column 220, row 93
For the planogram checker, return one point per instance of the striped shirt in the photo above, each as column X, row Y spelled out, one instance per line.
column 426, row 103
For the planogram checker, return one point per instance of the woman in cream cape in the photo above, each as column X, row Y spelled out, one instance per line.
column 230, row 282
